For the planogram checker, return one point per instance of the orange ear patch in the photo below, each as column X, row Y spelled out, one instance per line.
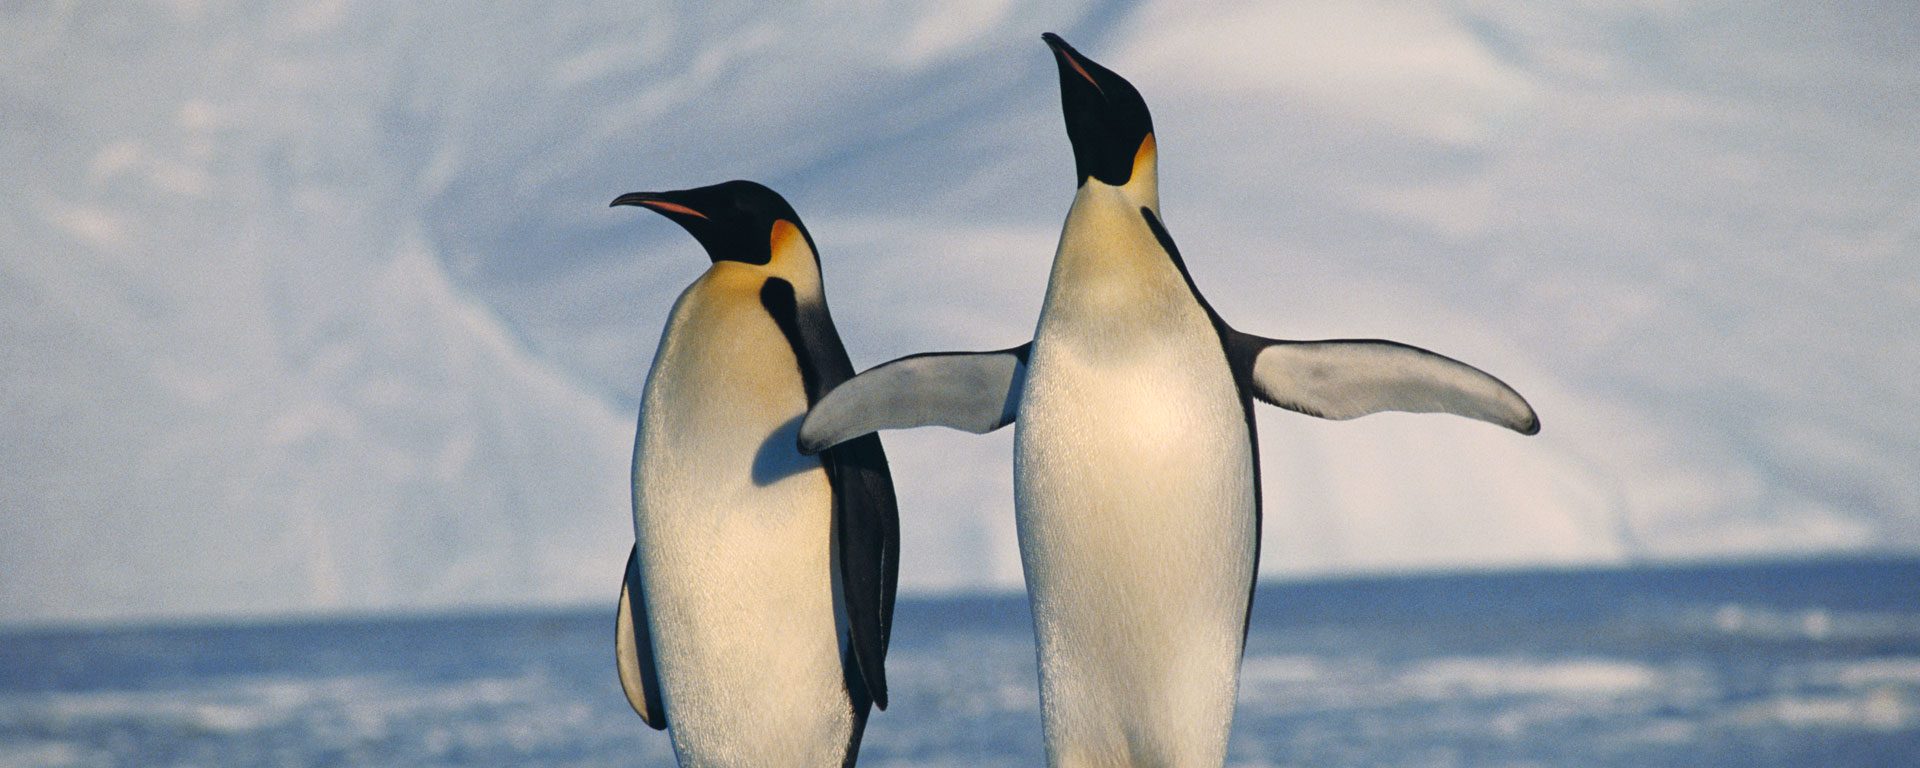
column 785, row 235
column 1145, row 156
column 662, row 205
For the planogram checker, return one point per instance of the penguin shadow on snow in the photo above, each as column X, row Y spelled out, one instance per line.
column 777, row 460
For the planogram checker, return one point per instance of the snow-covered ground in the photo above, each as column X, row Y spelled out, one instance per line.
column 1795, row 665
column 318, row 305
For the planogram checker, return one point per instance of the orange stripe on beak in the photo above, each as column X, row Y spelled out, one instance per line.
column 662, row 205
column 1074, row 62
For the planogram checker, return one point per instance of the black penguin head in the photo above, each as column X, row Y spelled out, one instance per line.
column 734, row 220
column 1107, row 121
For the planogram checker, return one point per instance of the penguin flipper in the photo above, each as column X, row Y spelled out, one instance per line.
column 1349, row 378
column 978, row 392
column 633, row 649
column 866, row 522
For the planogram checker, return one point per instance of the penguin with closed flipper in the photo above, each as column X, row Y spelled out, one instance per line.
column 1136, row 476
column 757, row 603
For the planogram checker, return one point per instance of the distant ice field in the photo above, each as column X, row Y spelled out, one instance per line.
column 1784, row 664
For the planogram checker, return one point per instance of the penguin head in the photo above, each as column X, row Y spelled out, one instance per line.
column 1107, row 121
column 736, row 221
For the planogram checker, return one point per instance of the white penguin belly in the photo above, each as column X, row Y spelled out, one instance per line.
column 735, row 543
column 1133, row 479
column 1135, row 495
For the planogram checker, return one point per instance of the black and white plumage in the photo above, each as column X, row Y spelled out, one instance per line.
column 757, row 604
column 1136, row 469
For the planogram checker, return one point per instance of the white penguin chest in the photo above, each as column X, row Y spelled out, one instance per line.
column 1129, row 399
column 1129, row 459
column 734, row 533
column 1133, row 442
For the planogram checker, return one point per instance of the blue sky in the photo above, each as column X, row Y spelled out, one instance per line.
column 318, row 306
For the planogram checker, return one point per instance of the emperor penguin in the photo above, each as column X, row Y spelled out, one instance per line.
column 1136, row 472
column 758, row 600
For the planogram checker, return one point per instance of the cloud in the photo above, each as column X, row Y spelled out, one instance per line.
column 1416, row 71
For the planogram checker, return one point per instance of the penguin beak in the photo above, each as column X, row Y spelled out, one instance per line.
column 695, row 212
column 658, row 201
column 1071, row 62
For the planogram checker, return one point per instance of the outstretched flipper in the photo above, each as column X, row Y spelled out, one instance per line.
column 1349, row 378
column 978, row 392
column 633, row 649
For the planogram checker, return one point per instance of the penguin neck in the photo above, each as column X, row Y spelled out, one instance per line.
column 1144, row 184
column 1105, row 240
column 1142, row 188
column 791, row 258
column 1111, row 278
column 1101, row 225
column 1108, row 206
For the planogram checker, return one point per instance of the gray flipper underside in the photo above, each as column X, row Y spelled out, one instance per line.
column 633, row 649
column 978, row 392
column 1349, row 378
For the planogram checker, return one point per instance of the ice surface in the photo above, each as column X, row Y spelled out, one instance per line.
column 1543, row 669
